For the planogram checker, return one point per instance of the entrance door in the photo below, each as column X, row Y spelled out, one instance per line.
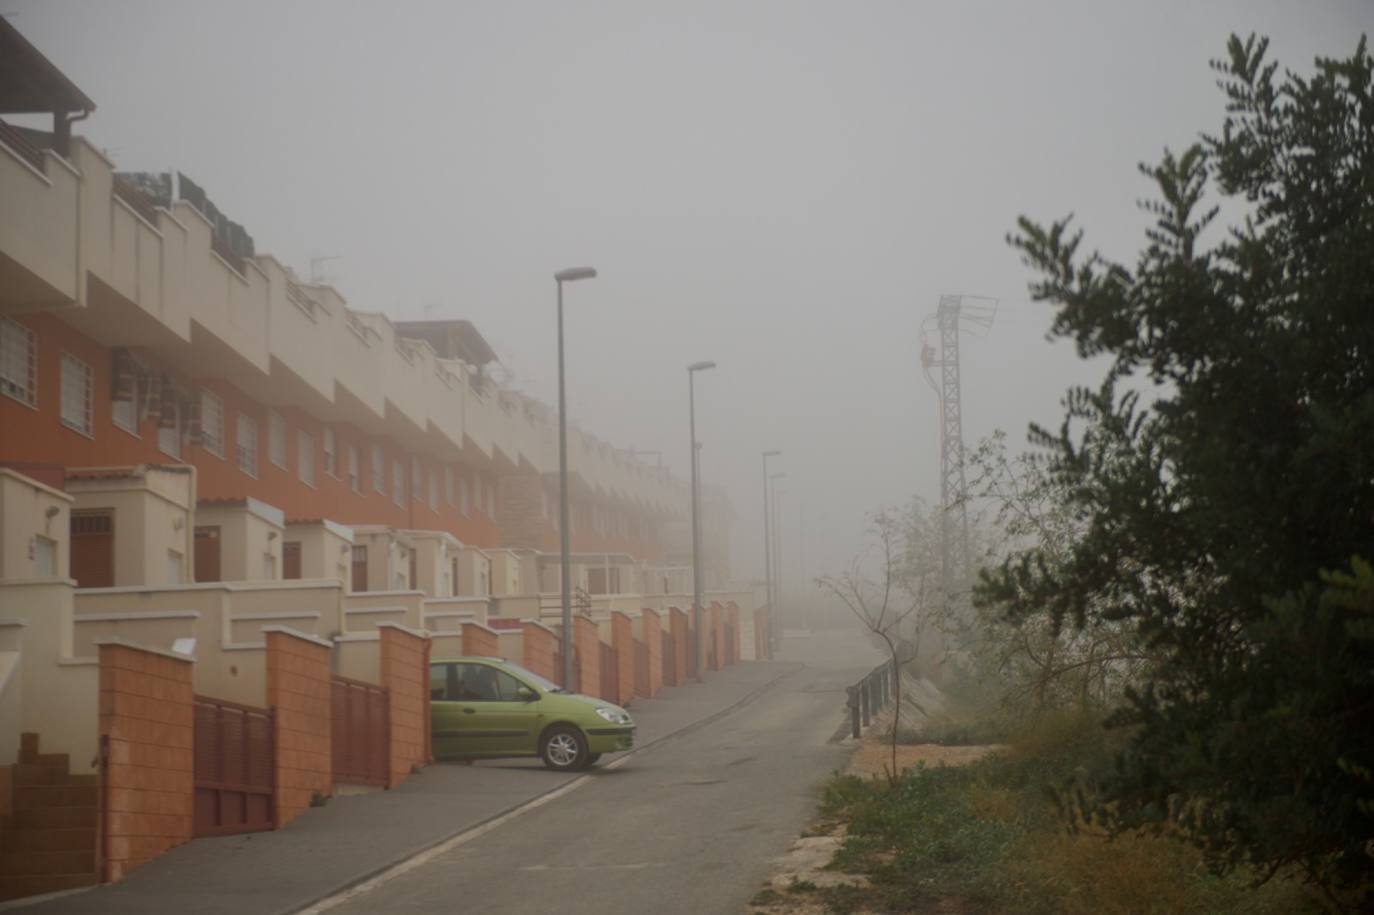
column 93, row 548
column 359, row 569
column 207, row 554
column 291, row 559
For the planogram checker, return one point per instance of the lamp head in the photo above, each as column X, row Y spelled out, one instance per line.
column 700, row 366
column 575, row 273
column 772, row 453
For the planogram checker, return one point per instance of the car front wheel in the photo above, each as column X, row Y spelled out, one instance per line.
column 564, row 749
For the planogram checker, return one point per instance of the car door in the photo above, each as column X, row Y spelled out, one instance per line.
column 446, row 712
column 492, row 719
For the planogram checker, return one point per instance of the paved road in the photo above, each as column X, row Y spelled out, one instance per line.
column 688, row 826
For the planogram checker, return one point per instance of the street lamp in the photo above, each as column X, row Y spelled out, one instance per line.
column 768, row 552
column 696, row 506
column 570, row 275
column 775, row 611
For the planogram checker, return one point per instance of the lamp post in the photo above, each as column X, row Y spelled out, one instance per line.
column 696, row 511
column 768, row 552
column 570, row 275
column 775, row 610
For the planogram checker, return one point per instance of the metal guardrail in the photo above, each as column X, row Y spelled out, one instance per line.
column 870, row 696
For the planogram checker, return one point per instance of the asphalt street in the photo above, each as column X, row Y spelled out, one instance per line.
column 690, row 825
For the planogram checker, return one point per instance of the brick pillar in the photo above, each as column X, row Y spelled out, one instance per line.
column 733, row 646
column 682, row 634
column 715, row 638
column 651, row 627
column 623, row 640
column 298, row 688
column 540, row 647
column 587, row 645
column 147, row 721
column 480, row 641
column 405, row 674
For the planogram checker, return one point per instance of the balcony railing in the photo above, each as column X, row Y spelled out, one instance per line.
column 15, row 140
column 298, row 297
column 137, row 201
column 221, row 247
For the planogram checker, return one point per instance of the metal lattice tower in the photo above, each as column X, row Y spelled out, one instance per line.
column 954, row 314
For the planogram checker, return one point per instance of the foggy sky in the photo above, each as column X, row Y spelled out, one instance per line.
column 785, row 188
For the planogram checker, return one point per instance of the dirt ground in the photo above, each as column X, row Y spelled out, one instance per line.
column 874, row 758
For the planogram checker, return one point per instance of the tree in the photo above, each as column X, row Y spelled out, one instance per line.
column 1227, row 463
column 1036, row 665
column 897, row 605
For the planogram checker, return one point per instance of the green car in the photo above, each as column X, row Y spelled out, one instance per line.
column 484, row 708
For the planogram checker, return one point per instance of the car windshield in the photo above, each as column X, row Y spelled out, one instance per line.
column 534, row 679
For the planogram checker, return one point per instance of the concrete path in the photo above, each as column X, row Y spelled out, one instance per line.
column 691, row 825
column 329, row 849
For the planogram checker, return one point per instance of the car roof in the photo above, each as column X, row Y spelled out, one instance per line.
column 468, row 658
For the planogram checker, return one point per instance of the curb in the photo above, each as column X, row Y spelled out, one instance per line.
column 323, row 900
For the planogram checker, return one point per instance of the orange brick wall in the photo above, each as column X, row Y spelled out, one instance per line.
column 480, row 642
column 405, row 673
column 298, row 687
column 587, row 646
column 652, row 628
column 540, row 647
column 716, row 635
column 623, row 641
column 677, row 621
column 733, row 649
column 146, row 716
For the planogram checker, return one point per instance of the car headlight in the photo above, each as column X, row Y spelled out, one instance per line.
column 614, row 716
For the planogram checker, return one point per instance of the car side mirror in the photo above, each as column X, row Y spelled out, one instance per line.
column 525, row 694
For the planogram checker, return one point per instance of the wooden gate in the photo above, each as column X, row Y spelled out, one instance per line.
column 641, row 668
column 610, row 673
column 233, row 767
column 576, row 686
column 360, row 733
column 669, row 659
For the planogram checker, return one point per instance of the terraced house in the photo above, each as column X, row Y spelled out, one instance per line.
column 240, row 514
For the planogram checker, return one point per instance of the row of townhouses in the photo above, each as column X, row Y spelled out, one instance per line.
column 216, row 479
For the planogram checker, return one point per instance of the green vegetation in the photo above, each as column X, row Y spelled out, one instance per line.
column 990, row 837
column 1222, row 479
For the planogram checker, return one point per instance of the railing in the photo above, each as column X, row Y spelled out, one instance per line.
column 298, row 297
column 124, row 190
column 16, row 141
column 870, row 696
column 221, row 247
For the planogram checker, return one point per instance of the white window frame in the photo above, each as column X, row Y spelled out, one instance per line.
column 463, row 502
column 212, row 422
column 276, row 438
column 448, row 484
column 18, row 362
column 398, row 483
column 331, row 458
column 246, row 444
column 491, row 503
column 129, row 425
column 417, row 479
column 76, row 408
column 169, row 437
column 378, row 468
column 305, row 457
column 477, row 492
column 433, row 490
column 355, row 469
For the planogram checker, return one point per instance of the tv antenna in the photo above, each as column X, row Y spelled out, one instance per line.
column 316, row 278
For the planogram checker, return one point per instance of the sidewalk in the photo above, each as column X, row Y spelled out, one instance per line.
column 328, row 849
